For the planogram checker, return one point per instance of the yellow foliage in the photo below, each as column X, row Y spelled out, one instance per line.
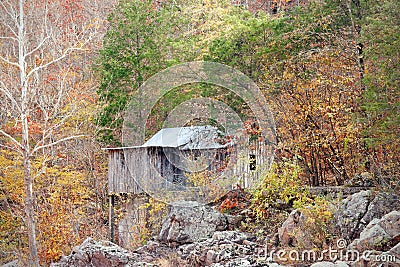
column 319, row 220
column 62, row 198
column 280, row 186
column 141, row 232
column 315, row 108
column 207, row 183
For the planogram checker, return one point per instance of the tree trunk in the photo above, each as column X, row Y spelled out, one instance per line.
column 30, row 211
column 28, row 182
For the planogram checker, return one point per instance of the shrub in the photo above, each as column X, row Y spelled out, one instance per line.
column 318, row 225
column 279, row 188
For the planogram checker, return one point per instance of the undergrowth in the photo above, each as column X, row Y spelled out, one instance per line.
column 280, row 191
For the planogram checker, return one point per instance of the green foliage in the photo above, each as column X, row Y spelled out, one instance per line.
column 242, row 46
column 134, row 49
column 143, row 40
column 297, row 59
column 281, row 191
column 305, row 60
column 278, row 189
column 380, row 34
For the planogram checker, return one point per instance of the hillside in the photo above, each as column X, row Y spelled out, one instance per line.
column 271, row 114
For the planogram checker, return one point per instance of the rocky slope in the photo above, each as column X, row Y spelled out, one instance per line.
column 196, row 235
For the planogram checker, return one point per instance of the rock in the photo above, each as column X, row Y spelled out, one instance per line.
column 382, row 204
column 101, row 254
column 245, row 263
column 228, row 249
column 14, row 263
column 286, row 232
column 233, row 220
column 274, row 265
column 127, row 230
column 232, row 236
column 189, row 221
column 142, row 264
column 361, row 208
column 380, row 234
column 210, row 257
column 381, row 240
column 351, row 212
column 291, row 232
column 222, row 248
column 380, row 259
column 395, row 251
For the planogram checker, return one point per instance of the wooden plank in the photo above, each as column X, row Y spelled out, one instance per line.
column 146, row 164
column 120, row 179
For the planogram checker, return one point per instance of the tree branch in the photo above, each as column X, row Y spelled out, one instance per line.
column 18, row 144
column 9, row 37
column 66, row 53
column 7, row 92
column 9, row 62
column 37, row 47
column 57, row 142
column 11, row 148
column 47, row 132
column 10, row 13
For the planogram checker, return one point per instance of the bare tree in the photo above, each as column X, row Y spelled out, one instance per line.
column 37, row 41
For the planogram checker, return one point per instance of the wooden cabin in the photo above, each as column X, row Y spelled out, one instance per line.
column 166, row 159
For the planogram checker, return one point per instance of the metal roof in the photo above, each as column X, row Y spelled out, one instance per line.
column 185, row 138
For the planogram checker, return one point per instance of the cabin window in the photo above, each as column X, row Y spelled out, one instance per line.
column 252, row 162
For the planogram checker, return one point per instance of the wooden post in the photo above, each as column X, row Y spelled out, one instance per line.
column 111, row 216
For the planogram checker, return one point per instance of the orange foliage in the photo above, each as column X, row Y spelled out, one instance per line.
column 65, row 214
column 235, row 199
column 314, row 112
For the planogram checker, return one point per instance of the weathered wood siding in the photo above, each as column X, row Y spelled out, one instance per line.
column 120, row 179
column 147, row 164
column 251, row 163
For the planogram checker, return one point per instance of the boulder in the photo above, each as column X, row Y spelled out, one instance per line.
column 14, row 263
column 395, row 252
column 291, row 232
column 359, row 209
column 190, row 221
column 380, row 234
column 225, row 248
column 219, row 247
column 245, row 263
column 380, row 239
column 99, row 254
column 379, row 259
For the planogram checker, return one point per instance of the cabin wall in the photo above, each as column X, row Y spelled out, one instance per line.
column 250, row 163
column 120, row 179
column 147, row 163
column 260, row 158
